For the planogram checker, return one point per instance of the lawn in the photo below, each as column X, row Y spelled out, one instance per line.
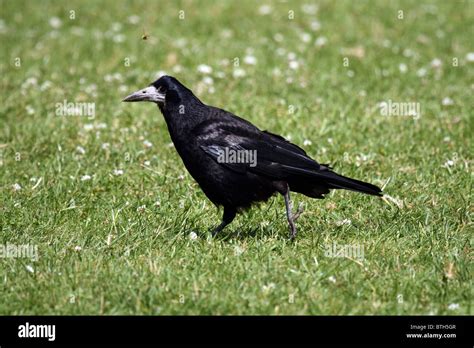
column 118, row 225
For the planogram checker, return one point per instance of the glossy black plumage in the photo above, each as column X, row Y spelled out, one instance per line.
column 201, row 133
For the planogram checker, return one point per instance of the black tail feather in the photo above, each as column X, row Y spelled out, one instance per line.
column 342, row 182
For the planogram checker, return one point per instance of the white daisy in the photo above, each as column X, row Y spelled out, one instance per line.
column 204, row 69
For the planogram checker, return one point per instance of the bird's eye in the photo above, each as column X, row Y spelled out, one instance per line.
column 143, row 92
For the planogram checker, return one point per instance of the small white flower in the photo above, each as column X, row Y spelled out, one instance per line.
column 226, row 33
column 33, row 179
column 265, row 10
column 436, row 63
column 269, row 287
column 77, row 31
column 321, row 41
column 305, row 37
column 208, row 80
column 177, row 69
column 220, row 74
column 146, row 163
column 280, row 51
column 77, row 248
column 16, row 187
column 45, row 85
column 470, row 57
column 55, row 22
column 105, row 146
column 310, row 9
column 224, row 62
column 291, row 56
column 447, row 101
column 238, row 250
column 315, row 25
column 251, row 60
column 204, row 69
column 332, row 279
column 116, row 26
column 141, row 208
column 362, row 157
column 118, row 38
column 133, row 19
column 449, row 163
column 30, row 110
column 453, row 306
column 421, row 72
column 294, row 65
column 81, row 150
column 278, row 37
column 408, row 52
column 30, row 269
column 307, row 142
column 403, row 68
column 85, row 177
column 193, row 236
column 157, row 203
column 29, row 82
column 118, row 172
column 343, row 222
column 88, row 126
column 181, row 177
column 147, row 144
column 238, row 73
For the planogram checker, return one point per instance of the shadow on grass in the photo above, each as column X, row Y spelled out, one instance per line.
column 240, row 234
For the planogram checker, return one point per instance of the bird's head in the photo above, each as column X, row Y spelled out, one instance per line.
column 165, row 90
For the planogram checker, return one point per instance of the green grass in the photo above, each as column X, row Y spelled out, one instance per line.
column 137, row 257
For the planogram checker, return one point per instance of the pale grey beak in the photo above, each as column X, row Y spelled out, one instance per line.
column 150, row 94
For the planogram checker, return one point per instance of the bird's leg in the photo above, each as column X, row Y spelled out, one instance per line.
column 229, row 215
column 289, row 214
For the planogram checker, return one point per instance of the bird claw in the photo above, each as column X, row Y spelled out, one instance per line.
column 299, row 211
column 292, row 219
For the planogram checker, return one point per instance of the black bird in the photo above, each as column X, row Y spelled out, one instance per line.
column 234, row 162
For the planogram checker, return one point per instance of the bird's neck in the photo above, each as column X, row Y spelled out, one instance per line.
column 182, row 118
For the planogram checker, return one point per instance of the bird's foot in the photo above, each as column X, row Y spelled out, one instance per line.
column 298, row 212
column 217, row 229
column 292, row 219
